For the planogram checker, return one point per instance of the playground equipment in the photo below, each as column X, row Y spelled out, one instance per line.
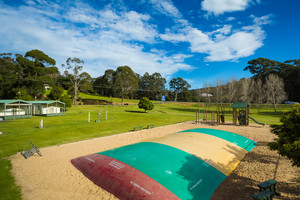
column 240, row 114
column 186, row 165
column 257, row 121
column 207, row 116
column 212, row 117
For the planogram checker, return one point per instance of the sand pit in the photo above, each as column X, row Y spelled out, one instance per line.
column 52, row 176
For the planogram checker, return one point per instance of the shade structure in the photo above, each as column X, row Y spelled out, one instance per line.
column 186, row 165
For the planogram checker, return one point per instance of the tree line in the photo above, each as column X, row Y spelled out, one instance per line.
column 249, row 90
column 24, row 77
column 125, row 83
column 272, row 82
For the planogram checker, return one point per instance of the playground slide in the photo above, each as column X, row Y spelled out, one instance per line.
column 256, row 121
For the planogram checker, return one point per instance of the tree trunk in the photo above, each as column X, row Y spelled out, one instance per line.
column 75, row 92
column 274, row 105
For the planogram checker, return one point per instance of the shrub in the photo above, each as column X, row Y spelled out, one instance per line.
column 288, row 141
column 56, row 92
column 66, row 99
column 145, row 104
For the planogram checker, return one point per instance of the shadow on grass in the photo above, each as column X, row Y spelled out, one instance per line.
column 271, row 114
column 161, row 111
column 226, row 112
column 184, row 109
column 135, row 111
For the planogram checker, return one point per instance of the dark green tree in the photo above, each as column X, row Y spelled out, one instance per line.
column 178, row 85
column 21, row 93
column 289, row 71
column 67, row 100
column 34, row 73
column 152, row 86
column 145, row 104
column 86, row 83
column 56, row 92
column 64, row 80
column 262, row 67
column 30, row 72
column 125, row 81
column 288, row 141
column 8, row 78
column 103, row 85
column 39, row 58
column 71, row 93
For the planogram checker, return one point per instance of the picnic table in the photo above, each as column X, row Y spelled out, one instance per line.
column 137, row 128
column 150, row 126
column 267, row 190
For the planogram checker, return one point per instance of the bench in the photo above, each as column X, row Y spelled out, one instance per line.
column 137, row 128
column 264, row 195
column 150, row 126
column 268, row 185
column 27, row 153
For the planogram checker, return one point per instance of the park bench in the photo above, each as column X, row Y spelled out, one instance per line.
column 267, row 190
column 150, row 126
column 27, row 153
column 264, row 195
column 137, row 128
column 268, row 185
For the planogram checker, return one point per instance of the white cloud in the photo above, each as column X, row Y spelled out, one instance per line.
column 230, row 19
column 226, row 29
column 263, row 20
column 127, row 25
column 166, row 7
column 221, row 6
column 106, row 39
column 223, row 44
column 238, row 45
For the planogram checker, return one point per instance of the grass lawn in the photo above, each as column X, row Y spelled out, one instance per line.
column 74, row 126
column 109, row 99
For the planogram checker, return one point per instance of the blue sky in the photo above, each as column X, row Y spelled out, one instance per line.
column 200, row 41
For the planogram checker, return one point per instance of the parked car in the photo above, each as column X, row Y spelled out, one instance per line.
column 290, row 102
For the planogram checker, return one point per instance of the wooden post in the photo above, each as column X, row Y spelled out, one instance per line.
column 41, row 123
column 89, row 117
column 106, row 116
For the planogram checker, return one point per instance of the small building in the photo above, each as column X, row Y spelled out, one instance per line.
column 47, row 86
column 15, row 109
column 47, row 108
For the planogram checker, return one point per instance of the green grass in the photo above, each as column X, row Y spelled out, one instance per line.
column 8, row 188
column 74, row 126
column 109, row 99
